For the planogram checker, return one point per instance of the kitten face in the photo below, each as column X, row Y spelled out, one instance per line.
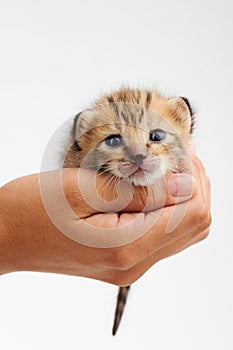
column 131, row 141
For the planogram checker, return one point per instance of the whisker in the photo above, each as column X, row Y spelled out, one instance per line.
column 107, row 183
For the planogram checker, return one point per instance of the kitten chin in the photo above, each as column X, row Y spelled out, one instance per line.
column 144, row 179
column 138, row 176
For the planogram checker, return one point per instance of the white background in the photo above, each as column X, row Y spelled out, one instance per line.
column 56, row 56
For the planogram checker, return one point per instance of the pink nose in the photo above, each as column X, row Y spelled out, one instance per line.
column 138, row 158
column 136, row 152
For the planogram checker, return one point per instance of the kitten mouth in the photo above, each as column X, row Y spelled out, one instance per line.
column 132, row 170
column 139, row 173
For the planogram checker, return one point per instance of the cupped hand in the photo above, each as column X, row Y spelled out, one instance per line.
column 97, row 229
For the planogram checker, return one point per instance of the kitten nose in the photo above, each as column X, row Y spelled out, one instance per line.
column 138, row 158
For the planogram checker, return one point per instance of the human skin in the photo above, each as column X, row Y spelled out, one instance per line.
column 29, row 240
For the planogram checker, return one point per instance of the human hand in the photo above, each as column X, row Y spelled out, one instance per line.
column 31, row 241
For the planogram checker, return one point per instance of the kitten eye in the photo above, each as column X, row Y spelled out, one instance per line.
column 157, row 135
column 113, row 141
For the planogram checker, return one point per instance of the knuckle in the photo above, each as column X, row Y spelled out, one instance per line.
column 202, row 217
column 205, row 220
column 194, row 215
column 204, row 235
column 124, row 259
column 209, row 218
column 201, row 214
column 124, row 278
column 201, row 236
column 73, row 198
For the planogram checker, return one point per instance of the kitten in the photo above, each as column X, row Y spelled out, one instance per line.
column 136, row 135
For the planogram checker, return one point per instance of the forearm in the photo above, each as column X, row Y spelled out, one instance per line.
column 24, row 227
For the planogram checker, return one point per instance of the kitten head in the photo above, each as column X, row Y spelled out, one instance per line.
column 132, row 136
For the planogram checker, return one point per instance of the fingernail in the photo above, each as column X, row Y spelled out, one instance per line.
column 181, row 185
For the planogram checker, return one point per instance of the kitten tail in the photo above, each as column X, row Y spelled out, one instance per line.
column 121, row 301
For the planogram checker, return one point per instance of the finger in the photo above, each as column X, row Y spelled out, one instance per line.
column 185, row 242
column 166, row 191
column 204, row 180
column 178, row 246
column 88, row 193
column 130, row 275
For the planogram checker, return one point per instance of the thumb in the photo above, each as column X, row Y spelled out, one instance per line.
column 169, row 190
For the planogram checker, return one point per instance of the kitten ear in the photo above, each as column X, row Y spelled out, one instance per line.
column 74, row 130
column 82, row 122
column 183, row 111
column 75, row 122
